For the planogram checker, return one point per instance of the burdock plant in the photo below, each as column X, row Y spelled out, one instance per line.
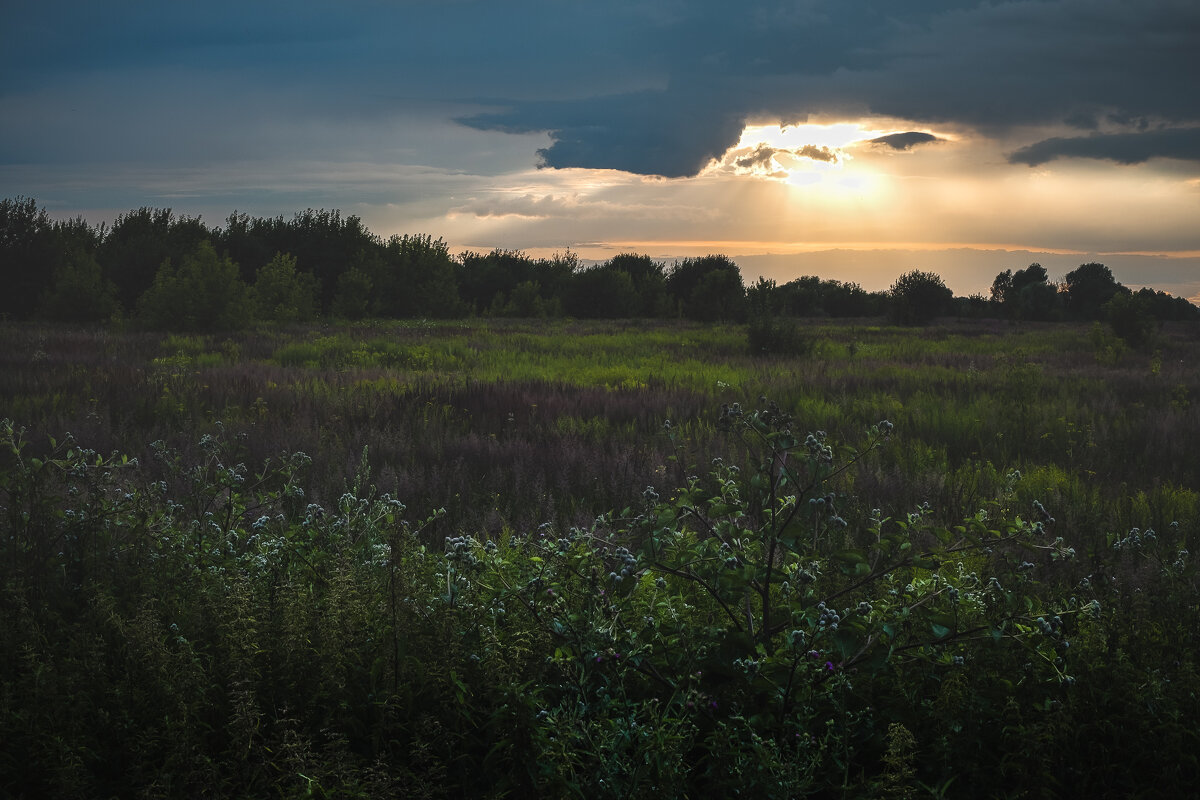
column 744, row 606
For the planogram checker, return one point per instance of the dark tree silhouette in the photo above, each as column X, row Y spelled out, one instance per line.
column 80, row 292
column 708, row 289
column 138, row 244
column 1026, row 293
column 604, row 292
column 917, row 297
column 202, row 293
column 329, row 245
column 418, row 279
column 1088, row 288
column 27, row 250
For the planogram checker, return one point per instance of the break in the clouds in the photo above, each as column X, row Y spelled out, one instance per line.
column 764, row 159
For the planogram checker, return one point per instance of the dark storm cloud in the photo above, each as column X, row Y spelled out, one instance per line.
column 989, row 66
column 653, row 88
column 643, row 132
column 904, row 141
column 1123, row 148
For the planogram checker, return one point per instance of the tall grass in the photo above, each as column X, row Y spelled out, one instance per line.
column 506, row 422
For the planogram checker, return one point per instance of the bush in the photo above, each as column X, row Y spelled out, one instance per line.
column 777, row 336
column 209, row 629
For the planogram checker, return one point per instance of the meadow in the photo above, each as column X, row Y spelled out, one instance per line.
column 612, row 558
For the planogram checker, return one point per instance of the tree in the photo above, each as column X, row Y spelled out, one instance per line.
column 329, row 246
column 554, row 277
column 801, row 297
column 1002, row 287
column 282, row 294
column 649, row 282
column 1163, row 306
column 27, row 254
column 418, row 279
column 917, row 297
column 481, row 278
column 1026, row 293
column 251, row 241
column 526, row 301
column 203, row 293
column 1088, row 288
column 708, row 289
column 139, row 242
column 851, row 300
column 352, row 299
column 80, row 292
column 603, row 292
column 1131, row 318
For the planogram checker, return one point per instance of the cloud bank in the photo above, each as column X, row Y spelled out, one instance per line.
column 991, row 67
column 1123, row 148
column 648, row 88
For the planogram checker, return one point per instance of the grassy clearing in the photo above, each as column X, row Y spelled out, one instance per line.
column 443, row 406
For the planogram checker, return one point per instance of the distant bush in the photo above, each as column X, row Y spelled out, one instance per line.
column 770, row 332
column 777, row 336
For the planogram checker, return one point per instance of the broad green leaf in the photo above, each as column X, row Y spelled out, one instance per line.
column 850, row 556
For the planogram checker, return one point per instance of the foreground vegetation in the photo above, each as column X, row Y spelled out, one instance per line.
column 926, row 561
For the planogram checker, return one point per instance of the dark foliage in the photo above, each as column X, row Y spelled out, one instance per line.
column 918, row 297
column 50, row 269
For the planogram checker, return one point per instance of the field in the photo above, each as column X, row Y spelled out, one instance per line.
column 494, row 558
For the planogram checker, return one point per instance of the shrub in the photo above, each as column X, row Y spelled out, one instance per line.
column 777, row 336
column 740, row 625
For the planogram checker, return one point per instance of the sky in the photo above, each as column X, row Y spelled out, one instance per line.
column 850, row 139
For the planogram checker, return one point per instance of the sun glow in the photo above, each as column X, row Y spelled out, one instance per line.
column 835, row 136
column 806, row 156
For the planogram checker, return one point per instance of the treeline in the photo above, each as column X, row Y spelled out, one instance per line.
column 167, row 271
